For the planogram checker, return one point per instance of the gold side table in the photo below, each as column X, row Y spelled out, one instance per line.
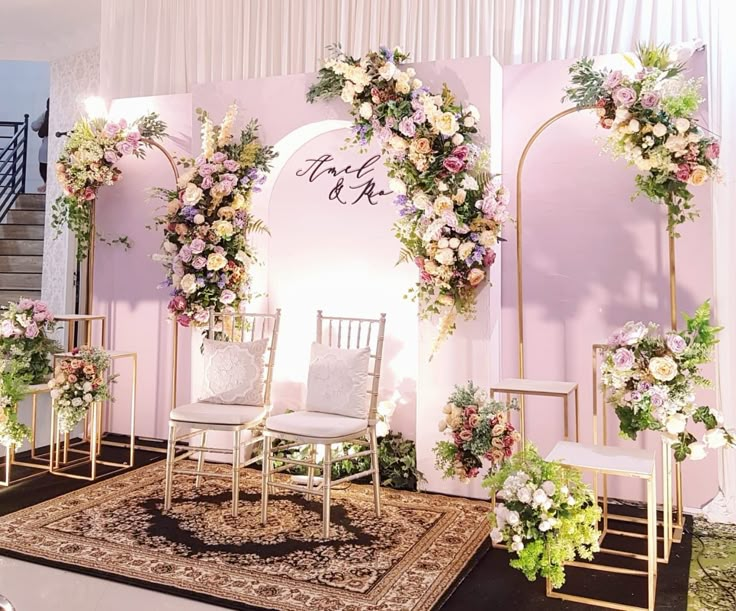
column 541, row 388
column 57, row 465
column 73, row 323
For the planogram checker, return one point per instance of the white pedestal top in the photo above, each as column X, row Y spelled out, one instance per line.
column 609, row 459
column 534, row 387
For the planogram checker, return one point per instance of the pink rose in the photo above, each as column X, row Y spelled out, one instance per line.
column 466, row 435
column 613, row 79
column 88, row 194
column 227, row 296
column 25, row 304
column 676, row 343
column 219, row 157
column 111, row 156
column 683, row 172
column 197, row 246
column 231, row 165
column 489, row 258
column 111, row 129
column 650, row 99
column 713, row 150
column 453, row 164
column 124, row 147
column 624, row 96
column 183, row 320
column 199, row 262
column 178, row 303
column 461, row 152
column 623, row 359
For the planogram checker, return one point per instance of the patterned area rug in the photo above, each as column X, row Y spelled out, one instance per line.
column 715, row 548
column 408, row 559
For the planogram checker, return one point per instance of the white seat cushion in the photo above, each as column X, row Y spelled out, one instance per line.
column 315, row 424
column 217, row 413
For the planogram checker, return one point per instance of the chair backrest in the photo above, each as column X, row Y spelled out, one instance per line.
column 249, row 327
column 354, row 333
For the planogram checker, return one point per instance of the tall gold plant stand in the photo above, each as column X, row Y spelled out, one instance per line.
column 678, row 523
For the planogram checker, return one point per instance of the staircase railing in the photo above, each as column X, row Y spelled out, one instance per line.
column 13, row 156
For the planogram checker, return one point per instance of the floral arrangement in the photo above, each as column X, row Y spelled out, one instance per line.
column 652, row 119
column 479, row 429
column 80, row 381
column 651, row 378
column 24, row 329
column 89, row 161
column 13, row 387
column 545, row 514
column 451, row 209
column 205, row 249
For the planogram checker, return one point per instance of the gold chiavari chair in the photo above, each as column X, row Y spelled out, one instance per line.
column 315, row 427
column 200, row 417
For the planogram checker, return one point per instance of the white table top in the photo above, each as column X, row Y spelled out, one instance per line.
column 34, row 389
column 523, row 386
column 114, row 354
column 74, row 317
column 610, row 459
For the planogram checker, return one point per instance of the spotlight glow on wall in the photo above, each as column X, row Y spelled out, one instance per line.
column 95, row 107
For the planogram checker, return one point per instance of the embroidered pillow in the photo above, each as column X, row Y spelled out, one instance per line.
column 338, row 381
column 233, row 372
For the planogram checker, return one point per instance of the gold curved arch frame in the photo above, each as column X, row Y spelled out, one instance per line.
column 678, row 524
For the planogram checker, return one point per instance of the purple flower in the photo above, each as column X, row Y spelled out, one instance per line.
column 207, row 182
column 656, row 399
column 650, row 99
column 623, row 359
column 32, row 330
column 231, row 165
column 206, row 169
column 133, row 138
column 624, row 96
column 635, row 396
column 383, row 134
column 199, row 262
column 613, row 79
column 219, row 157
column 230, row 178
column 111, row 129
column 111, row 156
column 676, row 343
column 124, row 147
column 644, row 386
column 419, row 116
column 197, row 246
column 453, row 164
column 407, row 127
column 185, row 254
column 389, row 122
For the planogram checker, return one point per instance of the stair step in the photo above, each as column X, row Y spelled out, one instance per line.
column 31, row 201
column 28, row 264
column 9, row 281
column 21, row 232
column 21, row 247
column 10, row 295
column 25, row 217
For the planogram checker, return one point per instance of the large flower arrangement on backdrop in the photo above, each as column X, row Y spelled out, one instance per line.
column 651, row 115
column 651, row 378
column 479, row 430
column 544, row 513
column 24, row 329
column 13, row 387
column 80, row 381
column 89, row 161
column 451, row 208
column 205, row 250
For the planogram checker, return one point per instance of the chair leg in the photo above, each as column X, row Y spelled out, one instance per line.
column 236, row 472
column 200, row 461
column 266, row 473
column 170, row 455
column 375, row 467
column 310, row 471
column 326, row 485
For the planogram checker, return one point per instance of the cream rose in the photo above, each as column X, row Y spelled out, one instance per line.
column 442, row 204
column 475, row 277
column 487, row 238
column 366, row 110
column 697, row 451
column 465, row 250
column 238, row 202
column 682, row 125
column 421, row 200
column 446, row 123
column 699, row 176
column 397, row 186
column 659, row 130
column 676, row 424
column 445, row 256
column 192, row 194
column 224, row 229
column 421, row 145
column 387, row 71
column 457, row 139
column 188, row 284
column 397, row 143
column 215, row 261
column 663, row 368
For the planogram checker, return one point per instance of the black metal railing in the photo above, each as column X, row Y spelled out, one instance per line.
column 13, row 156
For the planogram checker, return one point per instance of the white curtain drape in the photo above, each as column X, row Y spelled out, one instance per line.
column 153, row 47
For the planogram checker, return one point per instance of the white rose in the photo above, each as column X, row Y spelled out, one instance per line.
column 192, row 194
column 715, row 438
column 549, row 488
column 454, row 243
column 387, row 71
column 88, row 398
column 676, row 424
column 416, row 83
column 87, row 387
column 465, row 250
column 496, row 535
column 445, row 123
column 539, row 496
column 473, row 111
column 513, row 518
column 421, row 200
column 366, row 110
column 76, row 402
column 697, row 451
column 682, row 125
column 517, row 546
column 524, row 495
column 487, row 238
column 544, row 526
column 198, row 219
column 468, row 121
column 634, row 126
column 469, row 183
column 189, row 284
column 445, row 257
column 659, row 130
column 397, row 186
column 571, row 500
column 457, row 139
column 621, row 113
column 443, row 243
column 170, row 247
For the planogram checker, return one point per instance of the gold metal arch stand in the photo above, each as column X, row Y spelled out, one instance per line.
column 678, row 523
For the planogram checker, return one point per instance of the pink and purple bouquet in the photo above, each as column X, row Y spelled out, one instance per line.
column 25, row 327
column 89, row 161
column 479, row 430
column 452, row 210
column 651, row 380
column 652, row 116
column 206, row 251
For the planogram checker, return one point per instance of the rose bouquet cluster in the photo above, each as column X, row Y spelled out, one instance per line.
column 652, row 118
column 80, row 381
column 13, row 387
column 479, row 429
column 25, row 326
column 544, row 513
column 205, row 249
column 452, row 210
column 651, row 378
column 89, row 161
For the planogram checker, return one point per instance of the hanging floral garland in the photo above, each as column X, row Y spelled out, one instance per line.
column 451, row 208
column 205, row 249
column 89, row 161
column 652, row 119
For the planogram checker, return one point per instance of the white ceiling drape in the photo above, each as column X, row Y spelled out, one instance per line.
column 153, row 47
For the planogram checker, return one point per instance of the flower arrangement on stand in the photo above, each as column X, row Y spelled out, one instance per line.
column 544, row 513
column 651, row 378
column 89, row 161
column 480, row 430
column 13, row 387
column 79, row 382
column 452, row 209
column 652, row 118
column 25, row 326
column 205, row 250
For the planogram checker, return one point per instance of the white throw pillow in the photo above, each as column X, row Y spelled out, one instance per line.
column 233, row 372
column 338, row 381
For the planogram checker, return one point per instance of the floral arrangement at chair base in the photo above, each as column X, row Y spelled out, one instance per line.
column 544, row 513
column 651, row 378
column 13, row 387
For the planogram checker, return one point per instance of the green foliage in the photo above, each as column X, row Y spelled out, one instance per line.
column 586, row 83
column 13, row 387
column 151, row 126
